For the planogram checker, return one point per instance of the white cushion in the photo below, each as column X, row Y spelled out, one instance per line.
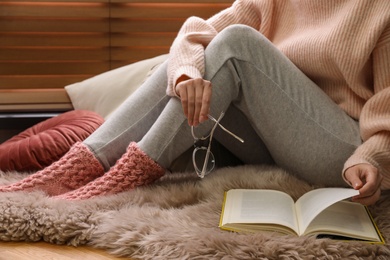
column 105, row 92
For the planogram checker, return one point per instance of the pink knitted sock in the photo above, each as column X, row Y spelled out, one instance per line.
column 133, row 169
column 75, row 169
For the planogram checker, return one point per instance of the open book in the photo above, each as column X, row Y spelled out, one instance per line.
column 321, row 212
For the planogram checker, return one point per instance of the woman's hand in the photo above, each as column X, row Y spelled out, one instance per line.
column 195, row 96
column 367, row 179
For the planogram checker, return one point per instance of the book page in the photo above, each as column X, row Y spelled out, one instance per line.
column 312, row 203
column 344, row 219
column 259, row 206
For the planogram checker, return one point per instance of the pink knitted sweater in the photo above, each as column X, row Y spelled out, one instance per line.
column 343, row 46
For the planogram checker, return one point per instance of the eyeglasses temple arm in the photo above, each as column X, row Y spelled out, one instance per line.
column 232, row 134
column 223, row 128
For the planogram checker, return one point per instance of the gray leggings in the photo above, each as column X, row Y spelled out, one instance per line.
column 281, row 114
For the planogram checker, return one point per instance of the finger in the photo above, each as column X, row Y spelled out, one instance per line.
column 182, row 90
column 190, row 102
column 199, row 86
column 354, row 177
column 369, row 200
column 373, row 181
column 206, row 101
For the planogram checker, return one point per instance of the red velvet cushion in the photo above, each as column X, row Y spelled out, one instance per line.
column 47, row 141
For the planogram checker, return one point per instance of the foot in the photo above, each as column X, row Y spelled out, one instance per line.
column 72, row 171
column 133, row 169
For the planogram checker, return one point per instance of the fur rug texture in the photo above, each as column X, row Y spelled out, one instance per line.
column 175, row 218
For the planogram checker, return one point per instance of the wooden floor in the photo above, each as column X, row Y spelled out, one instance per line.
column 45, row 251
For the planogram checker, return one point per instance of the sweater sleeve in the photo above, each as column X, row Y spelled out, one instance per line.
column 375, row 116
column 187, row 51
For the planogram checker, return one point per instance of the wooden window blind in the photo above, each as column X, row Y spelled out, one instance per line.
column 46, row 45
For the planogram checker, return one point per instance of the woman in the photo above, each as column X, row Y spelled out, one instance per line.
column 304, row 83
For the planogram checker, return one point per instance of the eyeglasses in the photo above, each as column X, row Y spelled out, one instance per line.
column 203, row 153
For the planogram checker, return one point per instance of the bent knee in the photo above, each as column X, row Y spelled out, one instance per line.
column 235, row 39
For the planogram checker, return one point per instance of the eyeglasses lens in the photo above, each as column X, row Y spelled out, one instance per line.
column 199, row 160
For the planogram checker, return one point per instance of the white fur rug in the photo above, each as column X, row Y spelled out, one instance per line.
column 175, row 218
